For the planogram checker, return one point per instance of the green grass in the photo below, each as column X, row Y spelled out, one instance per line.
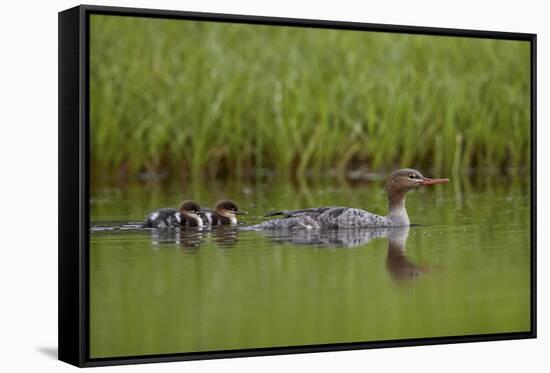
column 215, row 100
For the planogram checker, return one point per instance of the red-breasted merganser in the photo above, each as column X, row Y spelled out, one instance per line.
column 225, row 212
column 187, row 215
column 399, row 183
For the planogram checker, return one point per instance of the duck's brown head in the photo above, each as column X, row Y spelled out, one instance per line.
column 190, row 209
column 406, row 179
column 228, row 209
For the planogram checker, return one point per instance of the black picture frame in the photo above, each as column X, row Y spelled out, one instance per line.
column 74, row 182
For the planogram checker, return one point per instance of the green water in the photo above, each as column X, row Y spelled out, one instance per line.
column 464, row 270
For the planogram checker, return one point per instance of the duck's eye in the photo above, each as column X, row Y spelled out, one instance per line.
column 412, row 176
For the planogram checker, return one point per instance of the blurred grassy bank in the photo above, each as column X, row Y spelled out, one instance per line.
column 229, row 100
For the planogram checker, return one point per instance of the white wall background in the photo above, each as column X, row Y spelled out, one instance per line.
column 28, row 183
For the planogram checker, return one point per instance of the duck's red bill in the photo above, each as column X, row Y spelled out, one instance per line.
column 427, row 181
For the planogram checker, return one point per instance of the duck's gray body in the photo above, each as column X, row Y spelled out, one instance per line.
column 334, row 217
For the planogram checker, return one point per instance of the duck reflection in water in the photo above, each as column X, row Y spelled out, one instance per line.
column 189, row 239
column 224, row 235
column 193, row 238
column 398, row 264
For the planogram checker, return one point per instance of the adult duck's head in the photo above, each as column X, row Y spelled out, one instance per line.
column 406, row 179
column 399, row 183
column 191, row 210
column 228, row 209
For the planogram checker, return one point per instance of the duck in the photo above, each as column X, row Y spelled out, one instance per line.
column 224, row 213
column 398, row 184
column 188, row 214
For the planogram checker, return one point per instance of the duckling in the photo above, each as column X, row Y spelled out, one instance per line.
column 188, row 214
column 224, row 213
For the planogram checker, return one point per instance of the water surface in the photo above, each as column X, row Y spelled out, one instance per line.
column 464, row 269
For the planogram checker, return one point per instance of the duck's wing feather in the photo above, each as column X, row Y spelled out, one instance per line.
column 293, row 213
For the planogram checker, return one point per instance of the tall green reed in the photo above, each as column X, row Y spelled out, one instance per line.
column 217, row 99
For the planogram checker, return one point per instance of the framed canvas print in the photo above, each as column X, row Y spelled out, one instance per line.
column 239, row 185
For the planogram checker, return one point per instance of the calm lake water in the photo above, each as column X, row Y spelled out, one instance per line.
column 465, row 269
